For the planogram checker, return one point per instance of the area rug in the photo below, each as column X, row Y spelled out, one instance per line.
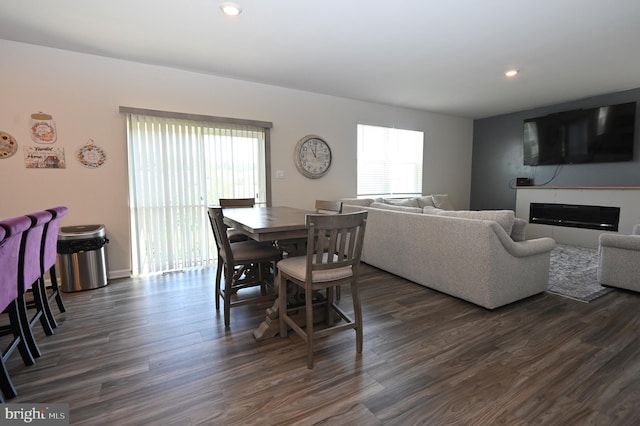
column 573, row 273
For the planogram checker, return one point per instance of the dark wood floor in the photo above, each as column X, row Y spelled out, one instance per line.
column 155, row 351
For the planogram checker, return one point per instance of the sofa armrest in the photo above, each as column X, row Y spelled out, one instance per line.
column 629, row 242
column 523, row 248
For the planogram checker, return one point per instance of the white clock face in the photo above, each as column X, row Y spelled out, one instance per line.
column 313, row 156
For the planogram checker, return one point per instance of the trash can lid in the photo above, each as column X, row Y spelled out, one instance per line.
column 80, row 232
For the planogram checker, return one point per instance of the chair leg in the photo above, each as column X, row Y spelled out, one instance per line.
column 23, row 319
column 56, row 290
column 219, row 267
column 6, row 384
column 282, row 304
column 18, row 331
column 47, row 316
column 40, row 301
column 329, row 306
column 357, row 313
column 228, row 278
column 308, row 297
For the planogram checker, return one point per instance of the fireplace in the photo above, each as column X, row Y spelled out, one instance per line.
column 575, row 216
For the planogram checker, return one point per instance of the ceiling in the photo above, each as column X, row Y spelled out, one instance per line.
column 445, row 56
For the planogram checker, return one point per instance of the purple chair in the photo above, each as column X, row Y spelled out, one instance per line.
column 30, row 278
column 11, row 231
column 48, row 254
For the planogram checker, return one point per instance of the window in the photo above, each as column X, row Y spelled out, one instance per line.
column 389, row 161
column 177, row 168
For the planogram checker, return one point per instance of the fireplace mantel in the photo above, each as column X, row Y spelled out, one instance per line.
column 626, row 198
column 596, row 188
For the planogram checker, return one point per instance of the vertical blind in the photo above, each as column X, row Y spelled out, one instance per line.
column 389, row 161
column 177, row 168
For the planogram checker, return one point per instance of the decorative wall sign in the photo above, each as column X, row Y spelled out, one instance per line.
column 90, row 155
column 44, row 157
column 8, row 145
column 43, row 128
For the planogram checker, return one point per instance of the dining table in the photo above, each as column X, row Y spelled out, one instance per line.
column 285, row 226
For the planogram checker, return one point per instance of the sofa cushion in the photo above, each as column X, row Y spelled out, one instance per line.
column 395, row 207
column 442, row 201
column 505, row 218
column 432, row 210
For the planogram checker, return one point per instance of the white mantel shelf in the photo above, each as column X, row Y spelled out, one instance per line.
column 627, row 198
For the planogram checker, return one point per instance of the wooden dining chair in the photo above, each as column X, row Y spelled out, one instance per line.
column 233, row 234
column 332, row 259
column 245, row 264
column 328, row 207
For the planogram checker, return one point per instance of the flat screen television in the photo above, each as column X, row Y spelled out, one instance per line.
column 593, row 135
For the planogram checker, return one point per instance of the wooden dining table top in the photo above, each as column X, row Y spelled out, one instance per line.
column 268, row 223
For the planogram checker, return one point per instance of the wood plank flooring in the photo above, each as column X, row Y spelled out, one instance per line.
column 155, row 352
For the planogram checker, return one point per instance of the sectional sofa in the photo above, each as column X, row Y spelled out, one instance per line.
column 478, row 256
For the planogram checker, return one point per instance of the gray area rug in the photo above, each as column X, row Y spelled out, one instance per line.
column 573, row 273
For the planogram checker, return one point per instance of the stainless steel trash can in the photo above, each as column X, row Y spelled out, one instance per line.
column 82, row 257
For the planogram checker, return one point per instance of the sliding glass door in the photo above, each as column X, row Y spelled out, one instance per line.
column 179, row 167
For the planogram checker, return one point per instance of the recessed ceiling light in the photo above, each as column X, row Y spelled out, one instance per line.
column 511, row 73
column 230, row 8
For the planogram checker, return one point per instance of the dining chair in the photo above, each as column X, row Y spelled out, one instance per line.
column 11, row 232
column 48, row 256
column 233, row 234
column 332, row 259
column 328, row 207
column 245, row 264
column 30, row 278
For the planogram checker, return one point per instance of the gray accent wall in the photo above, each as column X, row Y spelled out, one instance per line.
column 497, row 156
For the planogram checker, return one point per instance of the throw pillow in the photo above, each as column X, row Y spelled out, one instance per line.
column 425, row 201
column 394, row 207
column 505, row 218
column 407, row 202
column 442, row 201
column 517, row 233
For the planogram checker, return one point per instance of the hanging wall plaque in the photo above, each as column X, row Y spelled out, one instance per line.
column 43, row 128
column 8, row 145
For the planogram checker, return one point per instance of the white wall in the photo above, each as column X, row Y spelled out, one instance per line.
column 83, row 94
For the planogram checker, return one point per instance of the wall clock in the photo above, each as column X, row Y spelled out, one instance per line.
column 312, row 156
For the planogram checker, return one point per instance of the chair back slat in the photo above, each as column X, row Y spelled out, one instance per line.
column 334, row 241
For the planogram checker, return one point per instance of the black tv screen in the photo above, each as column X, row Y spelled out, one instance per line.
column 594, row 135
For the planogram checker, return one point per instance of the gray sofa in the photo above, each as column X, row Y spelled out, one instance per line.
column 619, row 260
column 474, row 259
